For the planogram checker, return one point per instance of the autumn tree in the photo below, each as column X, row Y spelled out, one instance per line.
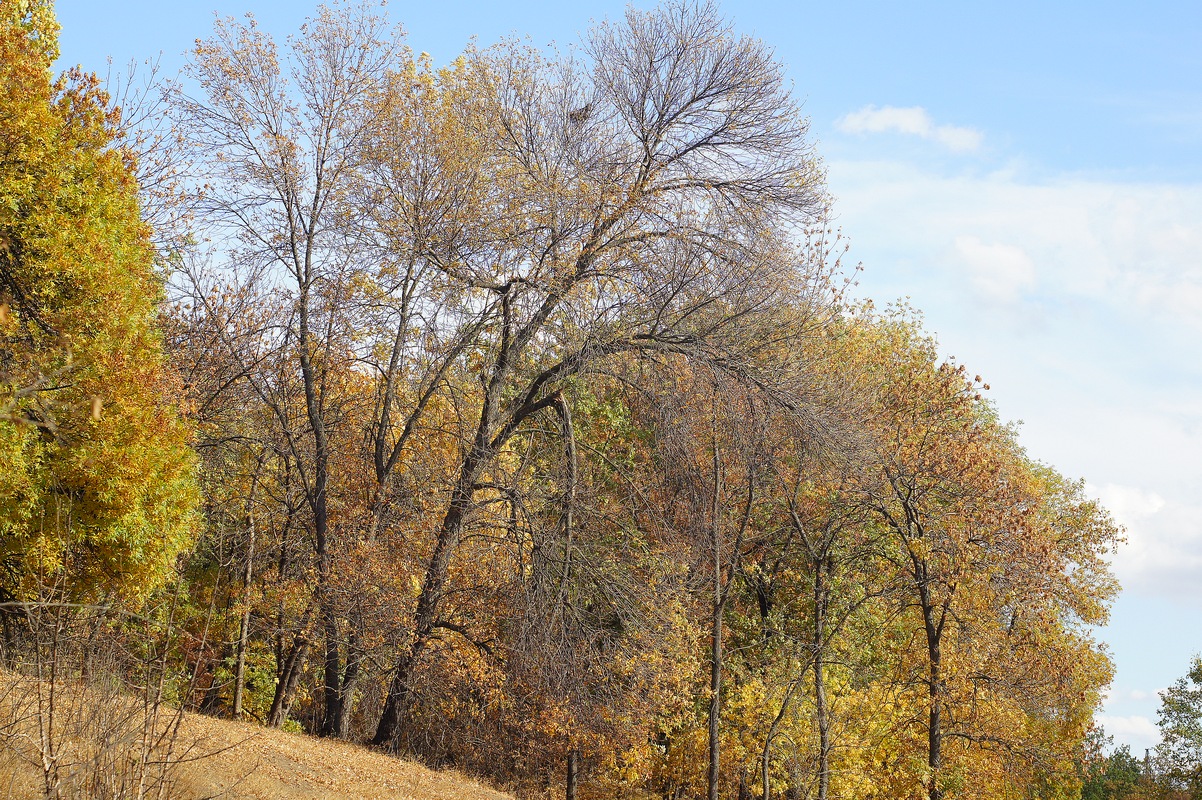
column 1003, row 564
column 822, row 579
column 523, row 398
column 418, row 202
column 630, row 207
column 97, row 489
column 276, row 149
column 709, row 438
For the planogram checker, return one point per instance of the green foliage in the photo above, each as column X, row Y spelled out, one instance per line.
column 1180, row 721
column 1112, row 778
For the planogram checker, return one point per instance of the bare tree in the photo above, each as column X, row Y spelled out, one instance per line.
column 637, row 206
column 274, row 153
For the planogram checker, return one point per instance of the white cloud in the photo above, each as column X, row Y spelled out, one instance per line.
column 1113, row 699
column 1132, row 247
column 1000, row 272
column 1081, row 302
column 1137, row 731
column 911, row 121
column 1129, row 504
column 1163, row 553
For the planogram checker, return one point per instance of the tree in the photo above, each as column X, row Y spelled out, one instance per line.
column 632, row 209
column 1180, row 723
column 1002, row 561
column 524, row 392
column 826, row 575
column 96, row 485
column 278, row 154
column 1109, row 777
column 709, row 436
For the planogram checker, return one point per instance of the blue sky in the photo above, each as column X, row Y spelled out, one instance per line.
column 1029, row 174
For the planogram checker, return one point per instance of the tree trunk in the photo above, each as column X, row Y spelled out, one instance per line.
column 766, row 763
column 285, row 688
column 240, row 662
column 389, row 728
column 744, row 792
column 244, row 625
column 573, row 772
column 350, row 681
column 821, row 713
column 332, row 673
column 211, row 699
column 247, row 575
column 425, row 617
column 934, row 731
column 715, row 701
column 492, row 432
column 719, row 606
column 934, row 632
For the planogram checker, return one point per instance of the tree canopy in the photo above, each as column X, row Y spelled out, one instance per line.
column 529, row 424
column 97, row 480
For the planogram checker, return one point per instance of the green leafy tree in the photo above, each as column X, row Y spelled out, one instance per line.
column 1180, row 721
column 1114, row 777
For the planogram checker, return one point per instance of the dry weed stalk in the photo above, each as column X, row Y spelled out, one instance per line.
column 84, row 708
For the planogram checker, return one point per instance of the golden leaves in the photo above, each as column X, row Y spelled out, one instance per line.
column 77, row 316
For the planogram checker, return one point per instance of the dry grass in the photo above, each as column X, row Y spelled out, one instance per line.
column 59, row 739
column 264, row 764
column 84, row 715
column 207, row 758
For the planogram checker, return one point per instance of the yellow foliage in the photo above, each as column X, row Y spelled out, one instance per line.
column 97, row 479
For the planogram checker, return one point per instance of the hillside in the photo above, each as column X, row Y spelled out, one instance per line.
column 242, row 761
column 264, row 764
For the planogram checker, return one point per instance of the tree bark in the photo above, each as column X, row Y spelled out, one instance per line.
column 715, row 702
column 821, row 713
column 573, row 773
column 350, row 682
column 285, row 689
column 934, row 633
column 425, row 616
column 240, row 659
column 715, row 631
column 289, row 674
column 332, row 673
column 744, row 791
column 244, row 624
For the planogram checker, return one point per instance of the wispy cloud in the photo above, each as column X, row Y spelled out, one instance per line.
column 1082, row 301
column 1134, row 248
column 911, row 121
column 1000, row 272
column 1137, row 731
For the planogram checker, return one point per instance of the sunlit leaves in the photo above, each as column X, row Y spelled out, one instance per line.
column 98, row 482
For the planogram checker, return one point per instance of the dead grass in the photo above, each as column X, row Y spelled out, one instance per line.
column 209, row 758
column 265, row 764
column 60, row 739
